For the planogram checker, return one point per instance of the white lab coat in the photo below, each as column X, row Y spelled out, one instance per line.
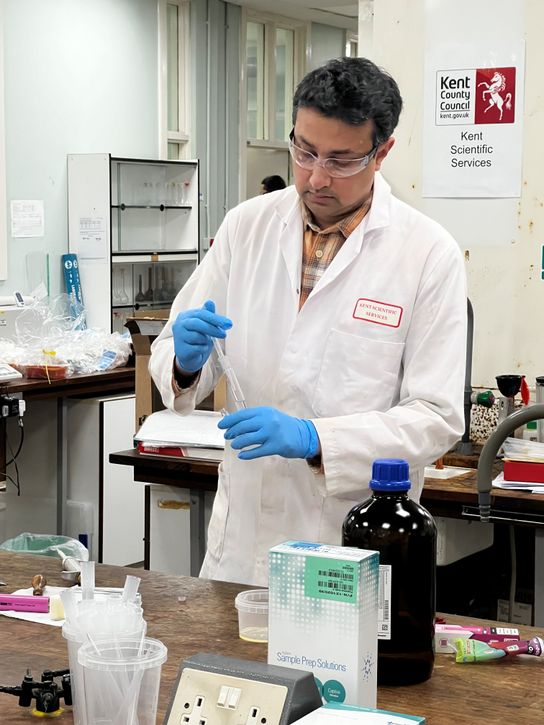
column 376, row 381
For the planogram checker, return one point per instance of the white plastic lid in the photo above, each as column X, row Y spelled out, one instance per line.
column 253, row 601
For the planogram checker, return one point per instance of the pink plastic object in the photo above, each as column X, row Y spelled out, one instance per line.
column 24, row 603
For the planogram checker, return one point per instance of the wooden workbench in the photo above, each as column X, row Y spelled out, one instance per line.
column 504, row 691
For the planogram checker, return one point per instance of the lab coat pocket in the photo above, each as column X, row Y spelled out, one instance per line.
column 357, row 374
column 220, row 512
column 276, row 473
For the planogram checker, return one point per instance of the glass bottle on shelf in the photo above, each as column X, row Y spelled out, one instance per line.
column 140, row 297
column 148, row 294
column 115, row 286
column 171, row 290
column 159, row 295
column 123, row 297
column 159, row 287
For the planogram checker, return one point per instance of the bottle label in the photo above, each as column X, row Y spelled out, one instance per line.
column 331, row 579
column 384, row 602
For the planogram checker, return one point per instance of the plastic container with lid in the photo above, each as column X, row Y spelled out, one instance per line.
column 404, row 533
column 252, row 606
column 121, row 680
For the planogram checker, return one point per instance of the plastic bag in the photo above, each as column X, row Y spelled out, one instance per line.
column 51, row 343
column 521, row 450
column 46, row 545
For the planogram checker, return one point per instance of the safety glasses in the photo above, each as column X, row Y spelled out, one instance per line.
column 334, row 167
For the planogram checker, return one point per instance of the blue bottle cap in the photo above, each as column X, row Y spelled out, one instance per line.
column 390, row 474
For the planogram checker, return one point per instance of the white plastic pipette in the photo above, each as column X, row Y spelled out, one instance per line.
column 232, row 380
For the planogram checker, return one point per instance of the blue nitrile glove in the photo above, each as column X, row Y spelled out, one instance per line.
column 272, row 432
column 193, row 331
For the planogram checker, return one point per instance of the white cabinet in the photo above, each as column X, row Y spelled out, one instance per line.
column 134, row 225
column 103, row 499
column 176, row 527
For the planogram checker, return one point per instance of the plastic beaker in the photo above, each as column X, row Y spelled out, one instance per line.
column 75, row 638
column 121, row 680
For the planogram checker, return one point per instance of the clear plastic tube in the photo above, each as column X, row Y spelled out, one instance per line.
column 232, row 380
column 131, row 588
column 87, row 579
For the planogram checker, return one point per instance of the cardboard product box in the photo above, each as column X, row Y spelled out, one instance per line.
column 335, row 714
column 323, row 617
column 144, row 327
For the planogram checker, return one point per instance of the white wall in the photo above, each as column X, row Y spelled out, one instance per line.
column 326, row 43
column 504, row 272
column 80, row 76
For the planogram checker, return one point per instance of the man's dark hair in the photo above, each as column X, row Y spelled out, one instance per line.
column 353, row 90
column 273, row 183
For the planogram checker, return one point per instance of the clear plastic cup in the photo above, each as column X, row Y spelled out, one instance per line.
column 252, row 606
column 75, row 637
column 74, row 640
column 121, row 680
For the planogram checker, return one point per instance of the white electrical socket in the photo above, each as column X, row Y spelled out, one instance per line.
column 209, row 698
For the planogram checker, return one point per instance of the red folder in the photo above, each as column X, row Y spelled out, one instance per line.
column 150, row 449
column 208, row 454
column 524, row 471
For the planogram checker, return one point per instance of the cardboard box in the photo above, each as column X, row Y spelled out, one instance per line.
column 144, row 328
column 323, row 617
column 332, row 714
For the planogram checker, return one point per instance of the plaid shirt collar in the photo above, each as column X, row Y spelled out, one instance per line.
column 345, row 226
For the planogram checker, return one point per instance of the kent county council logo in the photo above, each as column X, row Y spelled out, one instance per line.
column 475, row 96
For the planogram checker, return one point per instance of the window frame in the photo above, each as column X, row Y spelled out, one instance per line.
column 180, row 137
column 352, row 43
column 271, row 22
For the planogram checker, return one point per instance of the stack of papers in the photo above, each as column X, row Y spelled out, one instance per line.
column 517, row 449
column 170, row 434
column 527, row 486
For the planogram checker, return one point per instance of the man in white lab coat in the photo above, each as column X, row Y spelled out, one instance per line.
column 343, row 313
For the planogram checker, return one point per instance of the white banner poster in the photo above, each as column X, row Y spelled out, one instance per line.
column 473, row 120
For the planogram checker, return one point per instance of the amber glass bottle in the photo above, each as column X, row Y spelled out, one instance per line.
column 404, row 533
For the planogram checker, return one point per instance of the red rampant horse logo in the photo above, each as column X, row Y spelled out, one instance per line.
column 495, row 102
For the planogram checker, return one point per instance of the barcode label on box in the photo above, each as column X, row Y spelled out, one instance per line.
column 331, row 579
column 384, row 602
